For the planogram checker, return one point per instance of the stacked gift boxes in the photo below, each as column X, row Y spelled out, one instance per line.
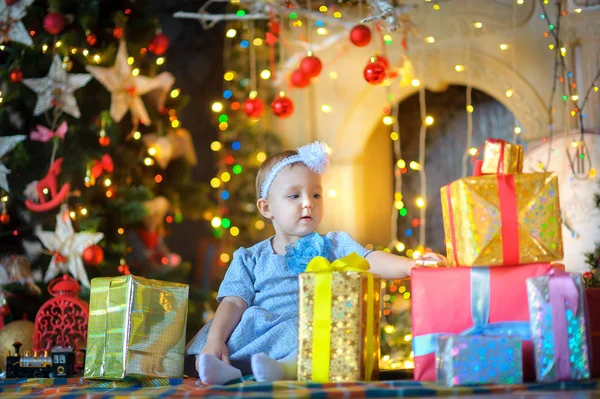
column 470, row 321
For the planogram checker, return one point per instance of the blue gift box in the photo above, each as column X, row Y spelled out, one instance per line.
column 478, row 359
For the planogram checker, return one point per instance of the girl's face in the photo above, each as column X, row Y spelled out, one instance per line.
column 295, row 201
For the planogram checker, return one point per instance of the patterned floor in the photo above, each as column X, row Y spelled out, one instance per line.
column 80, row 388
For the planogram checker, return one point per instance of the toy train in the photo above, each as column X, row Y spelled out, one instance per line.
column 60, row 363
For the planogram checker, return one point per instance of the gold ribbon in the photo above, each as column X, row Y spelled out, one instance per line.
column 321, row 339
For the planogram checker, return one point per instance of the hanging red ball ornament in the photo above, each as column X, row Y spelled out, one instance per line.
column 54, row 23
column 384, row 61
column 91, row 39
column 311, row 66
column 93, row 255
column 360, row 35
column 374, row 72
column 4, row 218
column 5, row 311
column 16, row 75
column 118, row 32
column 282, row 107
column 124, row 269
column 253, row 107
column 299, row 79
column 159, row 44
column 11, row 2
column 104, row 141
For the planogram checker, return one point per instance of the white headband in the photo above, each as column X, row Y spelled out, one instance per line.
column 315, row 156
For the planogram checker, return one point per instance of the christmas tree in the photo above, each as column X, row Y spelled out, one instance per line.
column 245, row 139
column 95, row 164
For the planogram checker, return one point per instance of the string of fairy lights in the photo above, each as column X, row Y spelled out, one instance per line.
column 296, row 22
column 564, row 77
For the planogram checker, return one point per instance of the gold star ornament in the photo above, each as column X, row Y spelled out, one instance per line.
column 127, row 88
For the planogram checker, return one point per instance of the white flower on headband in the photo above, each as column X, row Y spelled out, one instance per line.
column 315, row 156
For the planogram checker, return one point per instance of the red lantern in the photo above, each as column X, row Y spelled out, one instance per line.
column 54, row 23
column 374, row 72
column 360, row 35
column 159, row 44
column 254, row 107
column 299, row 79
column 93, row 255
column 311, row 66
column 63, row 319
column 282, row 107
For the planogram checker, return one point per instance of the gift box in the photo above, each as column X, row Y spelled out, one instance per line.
column 592, row 296
column 136, row 328
column 499, row 220
column 501, row 157
column 466, row 301
column 559, row 330
column 339, row 317
column 478, row 359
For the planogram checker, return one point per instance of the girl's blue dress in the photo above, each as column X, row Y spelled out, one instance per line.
column 268, row 282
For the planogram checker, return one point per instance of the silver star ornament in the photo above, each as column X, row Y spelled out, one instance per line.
column 6, row 145
column 67, row 247
column 11, row 27
column 56, row 89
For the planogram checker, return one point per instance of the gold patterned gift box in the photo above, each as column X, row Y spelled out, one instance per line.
column 339, row 317
column 136, row 328
column 497, row 220
column 502, row 157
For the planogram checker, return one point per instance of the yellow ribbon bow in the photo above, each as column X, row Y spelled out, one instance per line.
column 321, row 339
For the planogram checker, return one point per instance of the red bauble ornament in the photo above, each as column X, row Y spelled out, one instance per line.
column 104, row 141
column 254, row 107
column 299, row 79
column 159, row 44
column 93, row 255
column 374, row 72
column 16, row 75
column 11, row 2
column 63, row 319
column 273, row 26
column 360, row 35
column 311, row 66
column 91, row 39
column 54, row 23
column 4, row 218
column 118, row 33
column 383, row 60
column 282, row 107
column 5, row 311
column 124, row 269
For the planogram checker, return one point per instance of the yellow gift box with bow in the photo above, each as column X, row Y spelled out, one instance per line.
column 339, row 317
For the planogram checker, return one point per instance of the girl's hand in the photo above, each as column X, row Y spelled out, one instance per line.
column 431, row 259
column 216, row 347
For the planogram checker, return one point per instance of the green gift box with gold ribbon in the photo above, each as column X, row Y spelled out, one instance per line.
column 136, row 328
column 339, row 317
